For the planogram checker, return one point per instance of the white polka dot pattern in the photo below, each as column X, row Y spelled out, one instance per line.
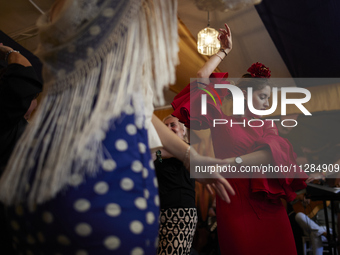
column 91, row 220
column 142, row 148
column 95, row 30
column 63, row 240
column 152, row 166
column 121, row 145
column 137, row 251
column 139, row 123
column 155, row 182
column 137, row 166
column 156, row 200
column 108, row 12
column 109, row 165
column 156, row 242
column 146, row 193
column 150, row 218
column 82, row 205
column 112, row 242
column 113, row 210
column 126, row 184
column 140, row 203
column 145, row 173
column 131, row 129
column 136, row 227
column 83, row 229
column 47, row 217
column 75, row 180
column 101, row 188
column 82, row 252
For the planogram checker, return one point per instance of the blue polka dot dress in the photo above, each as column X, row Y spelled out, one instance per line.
column 114, row 212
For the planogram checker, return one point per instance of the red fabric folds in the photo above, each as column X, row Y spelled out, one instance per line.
column 191, row 95
column 283, row 155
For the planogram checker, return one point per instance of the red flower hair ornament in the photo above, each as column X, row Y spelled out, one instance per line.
column 259, row 70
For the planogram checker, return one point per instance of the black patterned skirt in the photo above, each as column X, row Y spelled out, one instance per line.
column 176, row 230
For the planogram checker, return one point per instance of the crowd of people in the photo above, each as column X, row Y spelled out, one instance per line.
column 85, row 177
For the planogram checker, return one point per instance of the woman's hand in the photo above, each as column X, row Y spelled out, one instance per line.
column 212, row 179
column 4, row 50
column 315, row 176
column 13, row 58
column 226, row 44
column 225, row 38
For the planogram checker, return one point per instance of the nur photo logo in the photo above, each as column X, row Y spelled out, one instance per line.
column 239, row 103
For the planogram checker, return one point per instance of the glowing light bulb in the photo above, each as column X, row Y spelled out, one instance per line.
column 207, row 42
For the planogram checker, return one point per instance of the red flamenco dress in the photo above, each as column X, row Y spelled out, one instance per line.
column 255, row 222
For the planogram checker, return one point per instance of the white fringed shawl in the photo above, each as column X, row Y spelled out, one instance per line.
column 98, row 56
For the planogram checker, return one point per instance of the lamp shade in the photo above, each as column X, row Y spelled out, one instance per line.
column 207, row 42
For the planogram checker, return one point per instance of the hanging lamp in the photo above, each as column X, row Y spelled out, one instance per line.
column 207, row 42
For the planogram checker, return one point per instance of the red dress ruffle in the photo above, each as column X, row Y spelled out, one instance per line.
column 191, row 116
column 283, row 155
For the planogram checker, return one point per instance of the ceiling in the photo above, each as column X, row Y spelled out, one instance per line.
column 251, row 41
column 18, row 18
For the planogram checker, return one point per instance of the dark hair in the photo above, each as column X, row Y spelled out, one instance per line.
column 247, row 81
column 256, row 83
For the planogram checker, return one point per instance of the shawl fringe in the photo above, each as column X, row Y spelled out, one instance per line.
column 81, row 101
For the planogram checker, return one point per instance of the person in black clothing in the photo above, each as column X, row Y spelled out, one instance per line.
column 19, row 87
column 178, row 217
